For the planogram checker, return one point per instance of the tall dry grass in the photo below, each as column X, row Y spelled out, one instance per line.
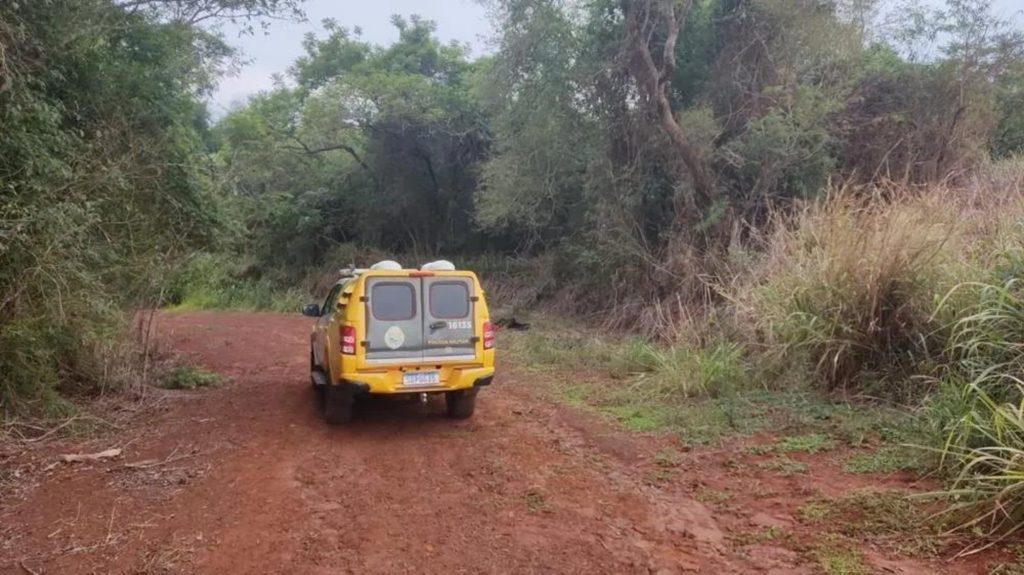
column 848, row 287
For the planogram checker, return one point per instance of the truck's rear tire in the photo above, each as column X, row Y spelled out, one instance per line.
column 338, row 405
column 461, row 404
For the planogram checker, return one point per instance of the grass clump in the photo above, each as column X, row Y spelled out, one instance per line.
column 849, row 291
column 838, row 558
column 886, row 517
column 536, row 501
column 808, row 443
column 682, row 372
column 979, row 410
column 889, row 459
column 784, row 466
column 767, row 534
column 191, row 377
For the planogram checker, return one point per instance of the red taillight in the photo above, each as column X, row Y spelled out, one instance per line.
column 348, row 340
column 488, row 335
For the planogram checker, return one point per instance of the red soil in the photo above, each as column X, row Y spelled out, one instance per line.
column 250, row 480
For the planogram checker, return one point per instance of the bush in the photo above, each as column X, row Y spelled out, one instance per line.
column 850, row 288
column 191, row 377
column 210, row 281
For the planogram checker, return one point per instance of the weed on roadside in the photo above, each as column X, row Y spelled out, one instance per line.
column 190, row 377
column 885, row 517
column 889, row 459
column 809, row 443
column 708, row 495
column 762, row 449
column 535, row 501
column 657, row 477
column 784, row 466
column 666, row 458
column 767, row 534
column 836, row 557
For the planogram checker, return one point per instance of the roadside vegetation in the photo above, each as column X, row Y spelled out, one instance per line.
column 791, row 216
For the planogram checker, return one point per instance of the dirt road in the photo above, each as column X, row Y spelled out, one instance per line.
column 247, row 479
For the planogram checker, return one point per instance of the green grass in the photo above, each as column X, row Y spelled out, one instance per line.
column 839, row 558
column 666, row 458
column 708, row 495
column 883, row 517
column 814, row 511
column 890, row 459
column 243, row 296
column 808, row 443
column 659, row 476
column 767, row 534
column 630, row 381
column 784, row 466
column 979, row 409
column 190, row 377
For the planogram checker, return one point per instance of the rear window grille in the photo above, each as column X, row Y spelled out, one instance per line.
column 393, row 301
column 449, row 300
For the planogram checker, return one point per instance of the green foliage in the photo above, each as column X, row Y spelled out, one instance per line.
column 375, row 145
column 210, row 281
column 679, row 371
column 890, row 459
column 890, row 518
column 840, row 559
column 784, row 466
column 809, row 443
column 103, row 186
column 645, row 387
column 191, row 377
column 979, row 410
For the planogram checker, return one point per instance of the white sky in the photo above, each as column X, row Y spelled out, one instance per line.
column 461, row 20
column 464, row 21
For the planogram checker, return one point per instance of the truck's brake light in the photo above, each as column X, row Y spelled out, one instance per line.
column 348, row 340
column 488, row 335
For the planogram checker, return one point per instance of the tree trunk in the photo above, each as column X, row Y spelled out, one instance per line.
column 642, row 24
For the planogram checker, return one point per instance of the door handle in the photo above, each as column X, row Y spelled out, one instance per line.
column 437, row 325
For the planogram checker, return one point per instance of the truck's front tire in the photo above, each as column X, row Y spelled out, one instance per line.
column 461, row 404
column 338, row 404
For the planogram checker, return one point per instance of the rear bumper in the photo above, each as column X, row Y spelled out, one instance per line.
column 390, row 382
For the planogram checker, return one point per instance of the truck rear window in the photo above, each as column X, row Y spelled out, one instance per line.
column 449, row 300
column 393, row 301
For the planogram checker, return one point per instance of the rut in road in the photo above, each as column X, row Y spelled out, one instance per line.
column 525, row 486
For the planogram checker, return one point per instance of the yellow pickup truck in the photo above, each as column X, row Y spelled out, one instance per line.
column 388, row 330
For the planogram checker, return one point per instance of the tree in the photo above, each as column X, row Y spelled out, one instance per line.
column 652, row 31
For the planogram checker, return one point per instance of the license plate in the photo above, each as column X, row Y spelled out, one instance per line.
column 421, row 378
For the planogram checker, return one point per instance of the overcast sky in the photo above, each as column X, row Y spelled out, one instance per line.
column 461, row 20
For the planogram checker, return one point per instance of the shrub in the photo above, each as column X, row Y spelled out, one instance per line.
column 210, row 281
column 850, row 287
column 191, row 377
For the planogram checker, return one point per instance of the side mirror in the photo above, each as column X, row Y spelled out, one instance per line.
column 311, row 310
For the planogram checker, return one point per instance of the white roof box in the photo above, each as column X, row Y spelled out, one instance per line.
column 388, row 265
column 439, row 266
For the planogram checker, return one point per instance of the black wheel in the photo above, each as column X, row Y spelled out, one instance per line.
column 461, row 403
column 338, row 403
